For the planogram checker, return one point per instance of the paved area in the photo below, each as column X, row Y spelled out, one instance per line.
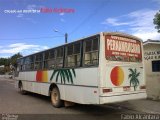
column 143, row 105
column 38, row 107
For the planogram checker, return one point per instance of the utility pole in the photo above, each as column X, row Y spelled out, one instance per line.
column 66, row 38
column 65, row 35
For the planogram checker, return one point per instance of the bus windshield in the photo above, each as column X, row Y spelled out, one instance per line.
column 124, row 49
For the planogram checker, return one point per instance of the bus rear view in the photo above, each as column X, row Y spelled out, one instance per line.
column 121, row 68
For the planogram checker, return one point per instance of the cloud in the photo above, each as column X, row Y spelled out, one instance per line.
column 28, row 7
column 157, row 1
column 4, row 56
column 61, row 14
column 139, row 23
column 148, row 35
column 20, row 15
column 30, row 20
column 22, row 48
column 34, row 7
column 114, row 22
column 62, row 20
column 31, row 7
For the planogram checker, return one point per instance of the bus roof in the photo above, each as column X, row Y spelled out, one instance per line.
column 103, row 33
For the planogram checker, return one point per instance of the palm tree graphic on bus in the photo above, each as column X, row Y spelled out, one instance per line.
column 64, row 74
column 133, row 76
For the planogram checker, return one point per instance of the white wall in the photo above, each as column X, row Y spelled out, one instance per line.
column 152, row 53
column 2, row 76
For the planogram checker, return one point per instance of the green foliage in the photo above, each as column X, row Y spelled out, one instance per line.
column 4, row 61
column 156, row 21
column 133, row 76
column 14, row 59
column 7, row 61
column 65, row 74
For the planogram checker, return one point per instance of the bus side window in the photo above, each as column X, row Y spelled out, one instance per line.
column 51, row 61
column 69, row 61
column 20, row 65
column 38, row 61
column 46, row 59
column 95, row 51
column 73, row 55
column 26, row 62
column 91, row 50
column 77, row 54
column 59, row 57
column 29, row 63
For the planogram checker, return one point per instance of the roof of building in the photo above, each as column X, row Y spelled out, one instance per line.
column 149, row 41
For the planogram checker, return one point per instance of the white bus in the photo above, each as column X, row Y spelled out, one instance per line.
column 99, row 69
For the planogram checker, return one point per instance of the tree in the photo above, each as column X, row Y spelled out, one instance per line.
column 5, row 61
column 156, row 21
column 134, row 78
column 9, row 61
column 14, row 58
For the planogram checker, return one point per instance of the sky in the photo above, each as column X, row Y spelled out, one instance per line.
column 27, row 27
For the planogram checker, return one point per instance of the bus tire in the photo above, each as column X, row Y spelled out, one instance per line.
column 55, row 98
column 21, row 90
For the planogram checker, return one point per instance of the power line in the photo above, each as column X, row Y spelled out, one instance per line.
column 95, row 11
column 30, row 38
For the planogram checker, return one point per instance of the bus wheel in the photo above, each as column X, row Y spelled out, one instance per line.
column 21, row 89
column 55, row 98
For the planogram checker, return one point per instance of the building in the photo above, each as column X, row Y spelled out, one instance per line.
column 2, row 69
column 152, row 68
column 1, row 66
